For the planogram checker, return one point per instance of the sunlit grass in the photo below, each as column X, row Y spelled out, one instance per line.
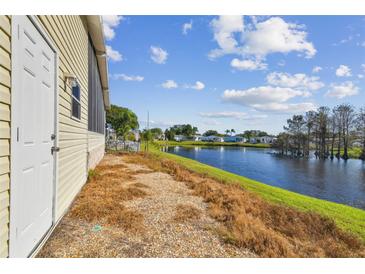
column 353, row 152
column 349, row 218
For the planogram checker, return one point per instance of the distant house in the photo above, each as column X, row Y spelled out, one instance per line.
column 357, row 143
column 234, row 139
column 253, row 140
column 267, row 139
column 180, row 138
column 197, row 138
column 162, row 137
column 262, row 140
column 212, row 138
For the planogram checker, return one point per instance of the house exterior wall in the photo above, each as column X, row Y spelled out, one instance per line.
column 5, row 86
column 96, row 148
column 69, row 34
column 236, row 139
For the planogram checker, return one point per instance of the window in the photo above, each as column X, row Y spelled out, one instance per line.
column 76, row 104
column 96, row 110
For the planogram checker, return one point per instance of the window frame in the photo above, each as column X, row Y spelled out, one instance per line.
column 78, row 101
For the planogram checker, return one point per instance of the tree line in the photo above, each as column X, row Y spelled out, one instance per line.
column 189, row 131
column 186, row 130
column 329, row 132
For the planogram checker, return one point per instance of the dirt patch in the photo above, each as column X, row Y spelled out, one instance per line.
column 141, row 171
column 140, row 185
column 186, row 212
column 128, row 210
column 264, row 228
column 101, row 199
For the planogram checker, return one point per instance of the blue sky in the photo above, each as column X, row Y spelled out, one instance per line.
column 241, row 72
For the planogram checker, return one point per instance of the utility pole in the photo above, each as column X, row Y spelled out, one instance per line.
column 148, row 128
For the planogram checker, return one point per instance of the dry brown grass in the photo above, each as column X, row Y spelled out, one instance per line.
column 100, row 201
column 140, row 185
column 186, row 212
column 267, row 229
column 141, row 171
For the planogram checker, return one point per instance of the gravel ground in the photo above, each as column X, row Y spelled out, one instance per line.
column 162, row 235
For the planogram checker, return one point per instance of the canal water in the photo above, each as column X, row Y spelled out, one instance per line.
column 333, row 180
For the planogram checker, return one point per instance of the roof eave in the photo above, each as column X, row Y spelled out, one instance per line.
column 95, row 28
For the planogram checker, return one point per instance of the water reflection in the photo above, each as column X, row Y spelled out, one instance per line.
column 333, row 180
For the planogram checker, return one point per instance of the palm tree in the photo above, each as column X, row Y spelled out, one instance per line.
column 232, row 131
column 227, row 131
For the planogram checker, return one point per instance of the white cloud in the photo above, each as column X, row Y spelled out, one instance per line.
column 232, row 114
column 186, row 27
column 158, row 55
column 346, row 40
column 258, row 39
column 343, row 90
column 363, row 67
column 360, row 76
column 268, row 98
column 211, row 122
column 343, row 71
column 248, row 64
column 224, row 28
column 316, row 69
column 125, row 77
column 276, row 35
column 260, row 95
column 152, row 124
column 198, row 85
column 285, row 107
column 110, row 22
column 112, row 54
column 299, row 80
column 169, row 84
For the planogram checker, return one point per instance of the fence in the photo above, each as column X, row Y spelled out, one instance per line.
column 123, row 146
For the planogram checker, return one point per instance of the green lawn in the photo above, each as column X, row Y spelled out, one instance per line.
column 353, row 152
column 200, row 143
column 346, row 217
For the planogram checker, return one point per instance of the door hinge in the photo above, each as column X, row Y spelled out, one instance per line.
column 18, row 32
column 17, row 134
column 54, row 149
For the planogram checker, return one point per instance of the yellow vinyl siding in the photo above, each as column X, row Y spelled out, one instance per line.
column 70, row 36
column 96, row 140
column 5, row 83
column 96, row 148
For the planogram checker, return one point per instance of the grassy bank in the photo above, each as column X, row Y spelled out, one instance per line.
column 346, row 217
column 354, row 152
column 200, row 143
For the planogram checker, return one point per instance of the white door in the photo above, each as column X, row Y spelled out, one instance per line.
column 33, row 124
